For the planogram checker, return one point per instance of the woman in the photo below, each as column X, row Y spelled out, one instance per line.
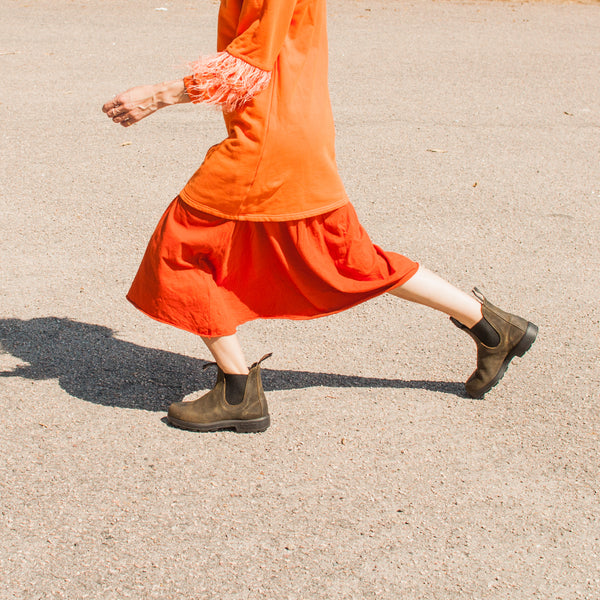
column 264, row 228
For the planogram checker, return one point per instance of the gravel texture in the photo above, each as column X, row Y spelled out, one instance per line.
column 468, row 137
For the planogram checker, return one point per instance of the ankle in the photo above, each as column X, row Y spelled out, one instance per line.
column 471, row 313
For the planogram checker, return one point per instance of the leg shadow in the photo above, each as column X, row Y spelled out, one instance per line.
column 91, row 364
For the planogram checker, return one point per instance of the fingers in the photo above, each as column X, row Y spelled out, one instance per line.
column 112, row 104
column 131, row 106
column 112, row 108
column 115, row 107
column 115, row 110
column 119, row 115
column 125, row 119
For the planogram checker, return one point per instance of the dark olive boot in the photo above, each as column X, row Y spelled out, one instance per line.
column 516, row 337
column 212, row 412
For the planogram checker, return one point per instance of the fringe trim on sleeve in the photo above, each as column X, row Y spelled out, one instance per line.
column 225, row 80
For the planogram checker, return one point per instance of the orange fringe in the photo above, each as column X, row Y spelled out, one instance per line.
column 225, row 80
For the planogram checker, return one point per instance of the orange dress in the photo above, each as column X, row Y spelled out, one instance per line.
column 278, row 161
column 264, row 228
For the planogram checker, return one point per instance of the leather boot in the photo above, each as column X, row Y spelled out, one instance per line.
column 212, row 412
column 516, row 337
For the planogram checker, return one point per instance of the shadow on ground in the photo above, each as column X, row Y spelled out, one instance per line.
column 91, row 364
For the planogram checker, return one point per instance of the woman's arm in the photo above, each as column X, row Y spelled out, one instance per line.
column 139, row 102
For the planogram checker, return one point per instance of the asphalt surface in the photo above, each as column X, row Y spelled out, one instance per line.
column 468, row 138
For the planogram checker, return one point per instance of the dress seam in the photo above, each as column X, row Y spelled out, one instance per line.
column 259, row 217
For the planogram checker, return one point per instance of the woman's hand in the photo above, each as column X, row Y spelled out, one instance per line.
column 140, row 102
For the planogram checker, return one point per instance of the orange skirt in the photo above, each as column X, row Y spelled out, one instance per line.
column 208, row 275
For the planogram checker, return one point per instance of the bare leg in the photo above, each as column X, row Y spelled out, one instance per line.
column 228, row 354
column 427, row 288
column 424, row 287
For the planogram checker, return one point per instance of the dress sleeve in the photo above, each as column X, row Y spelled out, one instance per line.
column 264, row 25
column 233, row 77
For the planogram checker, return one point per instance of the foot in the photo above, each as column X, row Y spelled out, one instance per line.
column 516, row 337
column 212, row 412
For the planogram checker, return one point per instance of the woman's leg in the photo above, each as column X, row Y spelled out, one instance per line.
column 427, row 288
column 227, row 353
column 499, row 335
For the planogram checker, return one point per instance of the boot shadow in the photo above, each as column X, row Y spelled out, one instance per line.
column 91, row 364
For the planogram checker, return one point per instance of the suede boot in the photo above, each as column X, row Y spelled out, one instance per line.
column 516, row 337
column 212, row 412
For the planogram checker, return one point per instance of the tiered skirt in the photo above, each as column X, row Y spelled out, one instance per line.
column 209, row 275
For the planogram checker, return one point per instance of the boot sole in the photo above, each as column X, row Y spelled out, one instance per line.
column 241, row 426
column 519, row 350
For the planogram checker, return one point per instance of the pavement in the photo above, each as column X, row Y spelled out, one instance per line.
column 468, row 136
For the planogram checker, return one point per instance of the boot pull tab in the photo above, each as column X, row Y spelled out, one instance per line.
column 478, row 294
column 263, row 358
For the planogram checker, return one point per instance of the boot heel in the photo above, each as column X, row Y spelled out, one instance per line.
column 527, row 340
column 253, row 425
